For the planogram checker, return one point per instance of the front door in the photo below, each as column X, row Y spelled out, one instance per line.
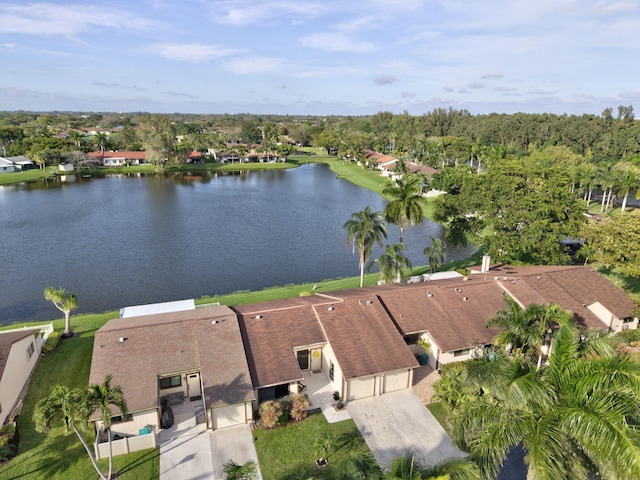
column 193, row 385
column 303, row 359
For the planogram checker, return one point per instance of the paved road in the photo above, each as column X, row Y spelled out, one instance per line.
column 396, row 423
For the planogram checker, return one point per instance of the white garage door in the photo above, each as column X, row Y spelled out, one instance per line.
column 396, row 381
column 361, row 388
column 228, row 415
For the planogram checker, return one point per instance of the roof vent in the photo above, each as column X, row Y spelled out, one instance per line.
column 369, row 302
column 429, row 294
column 258, row 317
column 330, row 308
column 122, row 339
column 505, row 278
column 213, row 322
column 465, row 298
column 496, row 278
column 458, row 290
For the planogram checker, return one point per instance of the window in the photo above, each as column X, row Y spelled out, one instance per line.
column 171, row 382
column 331, row 369
column 30, row 350
column 411, row 339
column 119, row 419
column 459, row 353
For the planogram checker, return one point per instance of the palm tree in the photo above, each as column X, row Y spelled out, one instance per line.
column 405, row 207
column 65, row 302
column 66, row 405
column 362, row 466
column 364, row 230
column 101, row 397
column 246, row 471
column 628, row 180
column 392, row 263
column 407, row 468
column 578, row 413
column 526, row 329
column 437, row 253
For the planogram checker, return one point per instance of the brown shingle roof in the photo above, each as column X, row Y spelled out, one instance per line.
column 270, row 337
column 172, row 343
column 452, row 321
column 363, row 338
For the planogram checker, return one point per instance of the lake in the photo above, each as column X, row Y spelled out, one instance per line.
column 129, row 240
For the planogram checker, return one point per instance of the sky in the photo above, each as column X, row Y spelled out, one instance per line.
column 320, row 57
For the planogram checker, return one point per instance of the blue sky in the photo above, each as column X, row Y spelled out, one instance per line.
column 344, row 57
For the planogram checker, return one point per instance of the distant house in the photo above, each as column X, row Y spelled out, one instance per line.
column 19, row 354
column 387, row 163
column 21, row 162
column 120, row 159
column 6, row 166
column 194, row 157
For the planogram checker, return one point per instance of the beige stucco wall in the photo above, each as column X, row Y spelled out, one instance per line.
column 609, row 320
column 338, row 379
column 133, row 426
column 16, row 373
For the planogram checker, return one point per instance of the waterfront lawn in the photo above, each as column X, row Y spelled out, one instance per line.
column 57, row 455
column 25, row 176
column 288, row 452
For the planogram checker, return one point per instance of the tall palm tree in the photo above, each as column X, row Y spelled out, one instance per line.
column 437, row 253
column 65, row 302
column 578, row 413
column 405, row 206
column 392, row 263
column 102, row 397
column 628, row 181
column 364, row 230
column 66, row 405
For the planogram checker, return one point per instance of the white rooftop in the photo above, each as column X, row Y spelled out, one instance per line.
column 153, row 308
column 442, row 275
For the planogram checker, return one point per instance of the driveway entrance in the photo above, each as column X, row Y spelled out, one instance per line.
column 396, row 423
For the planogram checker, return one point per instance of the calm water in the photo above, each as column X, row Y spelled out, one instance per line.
column 121, row 241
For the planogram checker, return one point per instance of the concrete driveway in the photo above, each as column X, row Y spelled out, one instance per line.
column 195, row 453
column 396, row 423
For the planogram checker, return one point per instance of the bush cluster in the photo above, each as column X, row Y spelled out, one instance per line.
column 7, row 442
column 51, row 343
column 277, row 412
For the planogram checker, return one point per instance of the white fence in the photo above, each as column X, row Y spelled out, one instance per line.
column 126, row 445
column 45, row 330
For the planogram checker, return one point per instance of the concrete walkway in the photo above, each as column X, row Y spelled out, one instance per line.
column 396, row 423
column 232, row 443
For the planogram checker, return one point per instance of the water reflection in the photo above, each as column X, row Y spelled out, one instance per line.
column 132, row 238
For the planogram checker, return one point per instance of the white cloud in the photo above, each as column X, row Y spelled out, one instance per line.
column 249, row 65
column 192, row 52
column 336, row 42
column 247, row 12
column 65, row 20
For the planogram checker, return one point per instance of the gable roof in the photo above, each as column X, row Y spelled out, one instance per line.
column 206, row 339
column 363, row 338
column 453, row 311
column 128, row 155
column 270, row 336
column 6, row 342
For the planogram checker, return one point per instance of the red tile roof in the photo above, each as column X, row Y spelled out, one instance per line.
column 128, row 155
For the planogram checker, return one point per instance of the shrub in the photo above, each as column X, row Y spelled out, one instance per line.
column 51, row 343
column 628, row 336
column 270, row 413
column 7, row 442
column 299, row 404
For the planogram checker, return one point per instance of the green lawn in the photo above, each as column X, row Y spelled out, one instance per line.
column 288, row 453
column 56, row 455
column 26, row 176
